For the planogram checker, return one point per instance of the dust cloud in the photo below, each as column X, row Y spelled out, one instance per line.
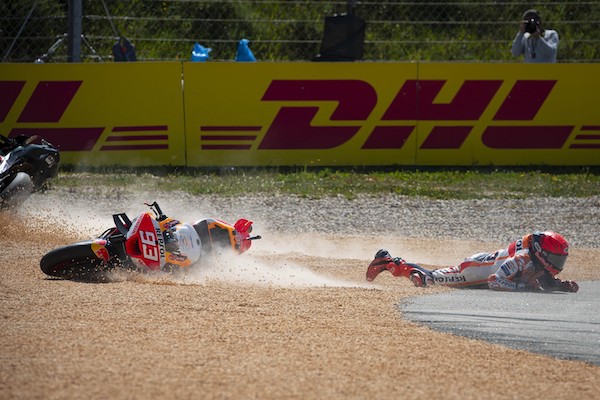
column 250, row 269
column 262, row 265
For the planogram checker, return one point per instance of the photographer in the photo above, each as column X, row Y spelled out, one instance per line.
column 536, row 44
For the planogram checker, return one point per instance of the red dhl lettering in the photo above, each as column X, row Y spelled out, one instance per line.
column 415, row 101
column 292, row 127
column 49, row 101
column 10, row 91
column 47, row 104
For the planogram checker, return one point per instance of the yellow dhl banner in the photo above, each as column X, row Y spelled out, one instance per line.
column 320, row 114
column 391, row 113
column 98, row 114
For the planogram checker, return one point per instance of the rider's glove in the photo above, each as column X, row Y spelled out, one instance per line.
column 522, row 287
column 528, row 287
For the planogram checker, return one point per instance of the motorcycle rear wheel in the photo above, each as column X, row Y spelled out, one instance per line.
column 75, row 262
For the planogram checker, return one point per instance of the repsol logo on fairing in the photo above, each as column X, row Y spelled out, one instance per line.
column 450, row 279
column 293, row 128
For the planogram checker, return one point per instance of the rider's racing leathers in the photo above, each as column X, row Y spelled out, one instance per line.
column 509, row 269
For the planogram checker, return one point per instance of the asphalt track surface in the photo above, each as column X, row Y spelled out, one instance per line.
column 557, row 324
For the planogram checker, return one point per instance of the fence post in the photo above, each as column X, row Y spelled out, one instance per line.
column 74, row 33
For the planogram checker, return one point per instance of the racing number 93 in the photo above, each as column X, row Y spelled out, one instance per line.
column 149, row 245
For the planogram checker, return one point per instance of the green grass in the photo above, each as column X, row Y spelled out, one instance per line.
column 432, row 183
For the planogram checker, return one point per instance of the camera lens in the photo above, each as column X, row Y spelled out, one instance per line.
column 531, row 26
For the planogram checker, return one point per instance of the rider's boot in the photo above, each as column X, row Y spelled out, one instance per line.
column 379, row 264
column 382, row 261
column 397, row 267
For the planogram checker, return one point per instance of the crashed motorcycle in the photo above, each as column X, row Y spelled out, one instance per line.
column 26, row 164
column 151, row 242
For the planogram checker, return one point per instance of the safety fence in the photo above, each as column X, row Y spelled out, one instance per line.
column 290, row 30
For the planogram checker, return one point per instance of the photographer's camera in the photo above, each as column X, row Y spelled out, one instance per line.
column 531, row 26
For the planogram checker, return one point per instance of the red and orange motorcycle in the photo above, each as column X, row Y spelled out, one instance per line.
column 151, row 242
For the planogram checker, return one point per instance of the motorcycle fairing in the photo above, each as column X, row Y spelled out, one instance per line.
column 243, row 227
column 99, row 248
column 23, row 154
column 145, row 243
column 217, row 235
column 4, row 163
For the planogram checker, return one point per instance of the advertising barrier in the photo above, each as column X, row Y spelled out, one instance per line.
column 98, row 114
column 392, row 113
column 508, row 114
column 217, row 114
column 293, row 114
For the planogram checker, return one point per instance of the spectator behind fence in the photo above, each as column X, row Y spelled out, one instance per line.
column 536, row 44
